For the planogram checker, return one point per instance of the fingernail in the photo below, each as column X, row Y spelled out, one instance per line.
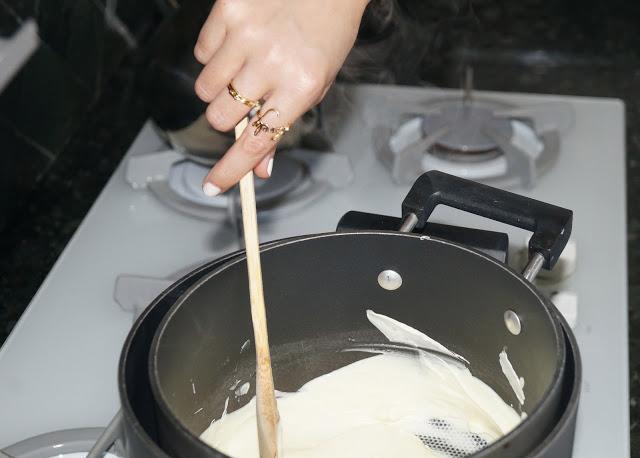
column 210, row 189
column 270, row 166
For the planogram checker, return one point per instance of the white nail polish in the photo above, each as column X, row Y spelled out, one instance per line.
column 270, row 166
column 210, row 189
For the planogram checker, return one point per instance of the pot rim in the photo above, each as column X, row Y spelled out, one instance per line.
column 240, row 256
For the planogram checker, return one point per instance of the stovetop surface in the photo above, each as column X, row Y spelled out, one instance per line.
column 60, row 361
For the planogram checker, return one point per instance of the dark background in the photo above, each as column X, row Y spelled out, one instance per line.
column 69, row 115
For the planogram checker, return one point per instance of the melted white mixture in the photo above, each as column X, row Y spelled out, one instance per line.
column 399, row 332
column 517, row 383
column 376, row 408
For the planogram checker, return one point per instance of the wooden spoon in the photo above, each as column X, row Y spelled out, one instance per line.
column 266, row 407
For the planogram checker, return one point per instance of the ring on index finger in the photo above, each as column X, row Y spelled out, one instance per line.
column 264, row 127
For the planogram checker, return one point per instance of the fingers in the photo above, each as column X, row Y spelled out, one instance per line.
column 225, row 112
column 211, row 36
column 215, row 76
column 265, row 167
column 250, row 151
column 245, row 154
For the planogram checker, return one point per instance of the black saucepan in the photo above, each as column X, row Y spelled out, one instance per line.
column 318, row 288
column 136, row 426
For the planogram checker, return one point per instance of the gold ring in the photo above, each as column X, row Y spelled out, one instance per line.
column 262, row 127
column 242, row 99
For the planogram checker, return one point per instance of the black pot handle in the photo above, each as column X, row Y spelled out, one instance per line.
column 551, row 225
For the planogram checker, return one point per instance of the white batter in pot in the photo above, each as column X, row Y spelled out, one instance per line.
column 384, row 406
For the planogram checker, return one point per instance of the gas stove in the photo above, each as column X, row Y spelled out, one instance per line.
column 150, row 225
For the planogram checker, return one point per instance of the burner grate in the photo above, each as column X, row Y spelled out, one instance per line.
column 478, row 139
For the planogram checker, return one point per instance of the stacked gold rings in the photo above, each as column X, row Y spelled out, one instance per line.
column 260, row 126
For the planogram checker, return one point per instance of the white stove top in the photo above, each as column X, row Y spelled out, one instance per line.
column 58, row 366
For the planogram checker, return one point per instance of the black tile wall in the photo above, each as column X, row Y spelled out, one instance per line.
column 21, row 164
column 48, row 99
column 77, row 31
column 45, row 101
column 9, row 21
column 140, row 16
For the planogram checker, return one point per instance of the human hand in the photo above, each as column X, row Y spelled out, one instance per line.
column 285, row 53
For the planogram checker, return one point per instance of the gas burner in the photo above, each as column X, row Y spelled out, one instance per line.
column 465, row 125
column 299, row 177
column 185, row 179
column 478, row 139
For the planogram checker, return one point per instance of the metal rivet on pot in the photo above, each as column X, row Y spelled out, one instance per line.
column 389, row 280
column 512, row 321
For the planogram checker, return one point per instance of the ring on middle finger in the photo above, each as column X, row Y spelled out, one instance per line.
column 242, row 99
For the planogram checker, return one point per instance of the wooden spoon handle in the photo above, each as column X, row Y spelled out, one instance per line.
column 266, row 407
